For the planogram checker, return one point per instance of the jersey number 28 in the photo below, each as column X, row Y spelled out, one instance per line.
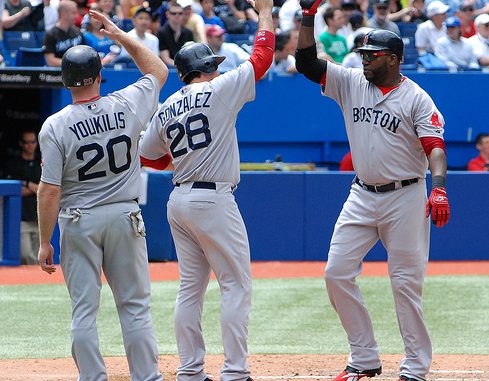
column 99, row 155
column 191, row 134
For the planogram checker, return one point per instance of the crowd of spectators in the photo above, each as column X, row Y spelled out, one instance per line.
column 454, row 31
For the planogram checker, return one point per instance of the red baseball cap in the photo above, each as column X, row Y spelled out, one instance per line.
column 214, row 30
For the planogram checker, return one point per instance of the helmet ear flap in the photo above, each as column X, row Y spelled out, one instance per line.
column 196, row 57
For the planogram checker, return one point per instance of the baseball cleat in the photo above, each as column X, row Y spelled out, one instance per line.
column 352, row 374
column 406, row 378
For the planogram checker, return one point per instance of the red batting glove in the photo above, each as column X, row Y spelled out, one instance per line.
column 438, row 205
column 309, row 7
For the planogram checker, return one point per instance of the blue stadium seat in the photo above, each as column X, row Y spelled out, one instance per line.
column 240, row 39
column 30, row 57
column 432, row 62
column 251, row 27
column 15, row 40
column 12, row 41
column 40, row 38
column 408, row 30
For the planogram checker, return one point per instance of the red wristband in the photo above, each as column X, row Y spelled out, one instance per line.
column 262, row 55
column 265, row 38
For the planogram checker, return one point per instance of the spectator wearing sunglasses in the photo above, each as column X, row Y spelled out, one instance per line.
column 380, row 20
column 466, row 15
column 431, row 30
column 173, row 35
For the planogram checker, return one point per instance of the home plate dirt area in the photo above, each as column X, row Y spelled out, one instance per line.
column 263, row 367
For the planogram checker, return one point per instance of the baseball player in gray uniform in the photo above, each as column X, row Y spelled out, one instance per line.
column 395, row 131
column 196, row 125
column 91, row 170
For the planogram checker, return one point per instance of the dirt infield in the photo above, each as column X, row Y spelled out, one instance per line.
column 263, row 367
column 260, row 270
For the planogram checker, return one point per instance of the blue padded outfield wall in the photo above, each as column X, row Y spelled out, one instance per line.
column 10, row 214
column 290, row 117
column 291, row 216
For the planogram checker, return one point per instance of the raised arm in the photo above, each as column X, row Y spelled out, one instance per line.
column 263, row 49
column 145, row 59
column 307, row 61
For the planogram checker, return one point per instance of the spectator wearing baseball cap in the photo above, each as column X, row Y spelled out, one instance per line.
column 141, row 22
column 453, row 49
column 466, row 14
column 480, row 41
column 358, row 26
column 353, row 59
column 380, row 20
column 193, row 21
column 429, row 32
column 235, row 56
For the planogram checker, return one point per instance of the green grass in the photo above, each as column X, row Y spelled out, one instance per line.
column 289, row 316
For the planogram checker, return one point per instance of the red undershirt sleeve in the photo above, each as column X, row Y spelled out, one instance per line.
column 430, row 142
column 160, row 163
column 263, row 51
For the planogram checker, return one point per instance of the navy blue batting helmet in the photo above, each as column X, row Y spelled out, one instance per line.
column 196, row 57
column 80, row 66
column 380, row 39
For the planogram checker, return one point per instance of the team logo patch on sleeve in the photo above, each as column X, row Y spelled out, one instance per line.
column 435, row 120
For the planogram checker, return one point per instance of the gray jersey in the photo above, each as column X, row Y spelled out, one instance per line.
column 91, row 149
column 196, row 125
column 384, row 130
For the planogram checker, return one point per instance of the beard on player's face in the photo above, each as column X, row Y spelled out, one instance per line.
column 375, row 74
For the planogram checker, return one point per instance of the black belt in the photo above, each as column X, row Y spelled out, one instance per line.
column 385, row 187
column 201, row 185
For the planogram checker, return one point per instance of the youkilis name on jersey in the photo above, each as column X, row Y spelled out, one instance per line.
column 183, row 105
column 377, row 117
column 98, row 124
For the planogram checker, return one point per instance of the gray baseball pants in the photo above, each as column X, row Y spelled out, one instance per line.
column 210, row 234
column 398, row 219
column 102, row 238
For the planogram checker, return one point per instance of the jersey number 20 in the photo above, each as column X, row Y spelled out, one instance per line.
column 99, row 155
column 181, row 130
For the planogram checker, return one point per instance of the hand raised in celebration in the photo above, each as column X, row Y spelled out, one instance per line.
column 109, row 29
